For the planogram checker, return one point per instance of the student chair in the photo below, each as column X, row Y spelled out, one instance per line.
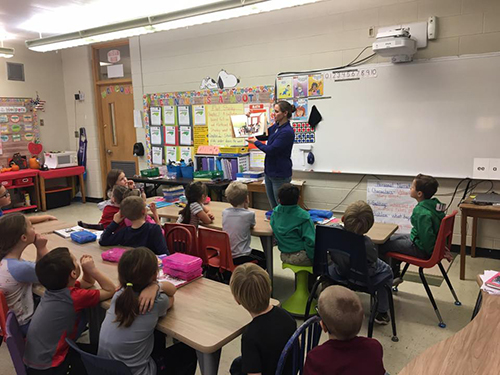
column 305, row 338
column 350, row 246
column 296, row 303
column 179, row 240
column 15, row 343
column 4, row 309
column 443, row 244
column 214, row 249
column 98, row 365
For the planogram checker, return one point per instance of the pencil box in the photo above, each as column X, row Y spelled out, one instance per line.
column 113, row 255
column 83, row 236
column 182, row 262
column 183, row 275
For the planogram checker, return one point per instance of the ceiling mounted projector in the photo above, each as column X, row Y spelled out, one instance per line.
column 396, row 44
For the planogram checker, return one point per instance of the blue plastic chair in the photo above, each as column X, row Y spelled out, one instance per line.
column 342, row 243
column 98, row 365
column 302, row 341
column 15, row 342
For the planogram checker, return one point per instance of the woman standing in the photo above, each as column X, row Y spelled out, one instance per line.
column 278, row 150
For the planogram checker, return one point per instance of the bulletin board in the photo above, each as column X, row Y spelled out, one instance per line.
column 176, row 123
column 18, row 127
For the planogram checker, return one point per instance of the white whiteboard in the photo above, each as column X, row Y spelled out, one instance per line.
column 431, row 117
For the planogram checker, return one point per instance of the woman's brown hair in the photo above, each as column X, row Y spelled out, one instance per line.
column 137, row 269
column 286, row 107
column 12, row 227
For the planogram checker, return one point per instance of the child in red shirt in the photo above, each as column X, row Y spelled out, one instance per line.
column 118, row 194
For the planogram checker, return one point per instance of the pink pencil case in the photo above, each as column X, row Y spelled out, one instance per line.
column 113, row 255
column 182, row 262
column 183, row 275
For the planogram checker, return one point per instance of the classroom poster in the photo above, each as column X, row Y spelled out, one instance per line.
column 170, row 135
column 200, row 137
column 169, row 115
column 155, row 116
column 185, row 136
column 186, row 154
column 157, row 155
column 284, row 87
column 170, row 154
column 156, row 138
column 4, row 118
column 300, row 86
column 315, row 87
column 184, row 116
column 300, row 109
column 220, row 131
column 199, row 115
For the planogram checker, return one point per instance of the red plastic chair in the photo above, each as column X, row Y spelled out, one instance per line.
column 210, row 241
column 4, row 309
column 181, row 238
column 443, row 244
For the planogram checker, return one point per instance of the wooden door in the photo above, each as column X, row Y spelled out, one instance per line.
column 118, row 124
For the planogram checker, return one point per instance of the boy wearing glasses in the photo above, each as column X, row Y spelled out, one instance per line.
column 341, row 316
column 6, row 201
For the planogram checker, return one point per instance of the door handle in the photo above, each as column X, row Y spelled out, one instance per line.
column 109, row 152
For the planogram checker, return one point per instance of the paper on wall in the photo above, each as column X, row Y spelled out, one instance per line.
column 185, row 153
column 199, row 115
column 156, row 135
column 170, row 153
column 169, row 115
column 157, row 155
column 185, row 136
column 184, row 118
column 115, row 71
column 170, row 135
column 137, row 119
column 155, row 113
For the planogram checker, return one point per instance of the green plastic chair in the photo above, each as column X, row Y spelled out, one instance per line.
column 296, row 304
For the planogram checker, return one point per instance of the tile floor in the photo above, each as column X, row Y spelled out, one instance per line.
column 416, row 322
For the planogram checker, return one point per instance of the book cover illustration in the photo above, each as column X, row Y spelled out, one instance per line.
column 315, row 85
column 285, row 87
column 300, row 109
column 300, row 86
column 247, row 126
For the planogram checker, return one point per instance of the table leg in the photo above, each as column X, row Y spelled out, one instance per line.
column 95, row 317
column 474, row 237
column 82, row 187
column 209, row 362
column 73, row 185
column 463, row 233
column 267, row 246
column 43, row 197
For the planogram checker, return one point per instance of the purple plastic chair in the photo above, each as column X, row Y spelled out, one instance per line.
column 15, row 343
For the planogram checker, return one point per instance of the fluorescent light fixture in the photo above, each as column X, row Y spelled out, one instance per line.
column 211, row 12
column 7, row 52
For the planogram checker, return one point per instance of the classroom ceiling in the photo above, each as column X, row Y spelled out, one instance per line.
column 24, row 19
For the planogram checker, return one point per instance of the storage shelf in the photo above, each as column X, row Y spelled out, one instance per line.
column 58, row 189
column 33, row 206
column 20, row 186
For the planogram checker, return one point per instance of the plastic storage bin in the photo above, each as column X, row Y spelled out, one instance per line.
column 153, row 172
column 187, row 172
column 175, row 169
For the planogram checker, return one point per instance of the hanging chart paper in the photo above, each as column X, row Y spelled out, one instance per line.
column 220, row 131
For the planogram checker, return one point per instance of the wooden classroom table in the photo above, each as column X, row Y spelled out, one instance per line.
column 260, row 187
column 205, row 315
column 472, row 350
column 70, row 172
column 50, row 226
column 379, row 233
column 476, row 212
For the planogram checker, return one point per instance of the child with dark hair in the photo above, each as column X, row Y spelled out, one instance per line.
column 59, row 312
column 127, row 335
column 118, row 194
column 293, row 228
column 5, row 200
column 114, row 177
column 425, row 220
column 140, row 233
column 17, row 275
column 195, row 211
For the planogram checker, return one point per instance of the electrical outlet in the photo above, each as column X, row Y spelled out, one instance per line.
column 371, row 32
column 481, row 168
column 494, row 169
column 77, row 134
column 42, row 123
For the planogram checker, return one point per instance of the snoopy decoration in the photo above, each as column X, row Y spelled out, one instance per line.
column 224, row 81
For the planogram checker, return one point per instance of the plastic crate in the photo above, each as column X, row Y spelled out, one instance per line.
column 187, row 172
column 153, row 172
column 175, row 169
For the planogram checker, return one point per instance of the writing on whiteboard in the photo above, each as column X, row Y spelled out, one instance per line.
column 391, row 202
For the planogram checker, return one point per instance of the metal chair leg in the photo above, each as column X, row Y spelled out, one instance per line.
column 477, row 307
column 311, row 297
column 457, row 302
column 431, row 298
column 373, row 311
column 405, row 268
column 393, row 314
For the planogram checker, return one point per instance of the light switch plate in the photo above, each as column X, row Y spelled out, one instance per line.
column 481, row 168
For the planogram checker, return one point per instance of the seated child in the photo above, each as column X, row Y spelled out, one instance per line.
column 425, row 219
column 128, row 334
column 358, row 218
column 17, row 275
column 109, row 211
column 139, row 234
column 293, row 228
column 195, row 211
column 271, row 327
column 59, row 312
column 344, row 353
column 238, row 222
column 114, row 177
column 5, row 201
column 152, row 218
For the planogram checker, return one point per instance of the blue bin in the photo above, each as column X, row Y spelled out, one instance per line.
column 187, row 172
column 175, row 169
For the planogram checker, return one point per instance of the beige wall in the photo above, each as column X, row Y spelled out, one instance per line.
column 326, row 34
column 42, row 73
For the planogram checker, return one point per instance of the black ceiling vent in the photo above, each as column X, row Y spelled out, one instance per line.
column 15, row 72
